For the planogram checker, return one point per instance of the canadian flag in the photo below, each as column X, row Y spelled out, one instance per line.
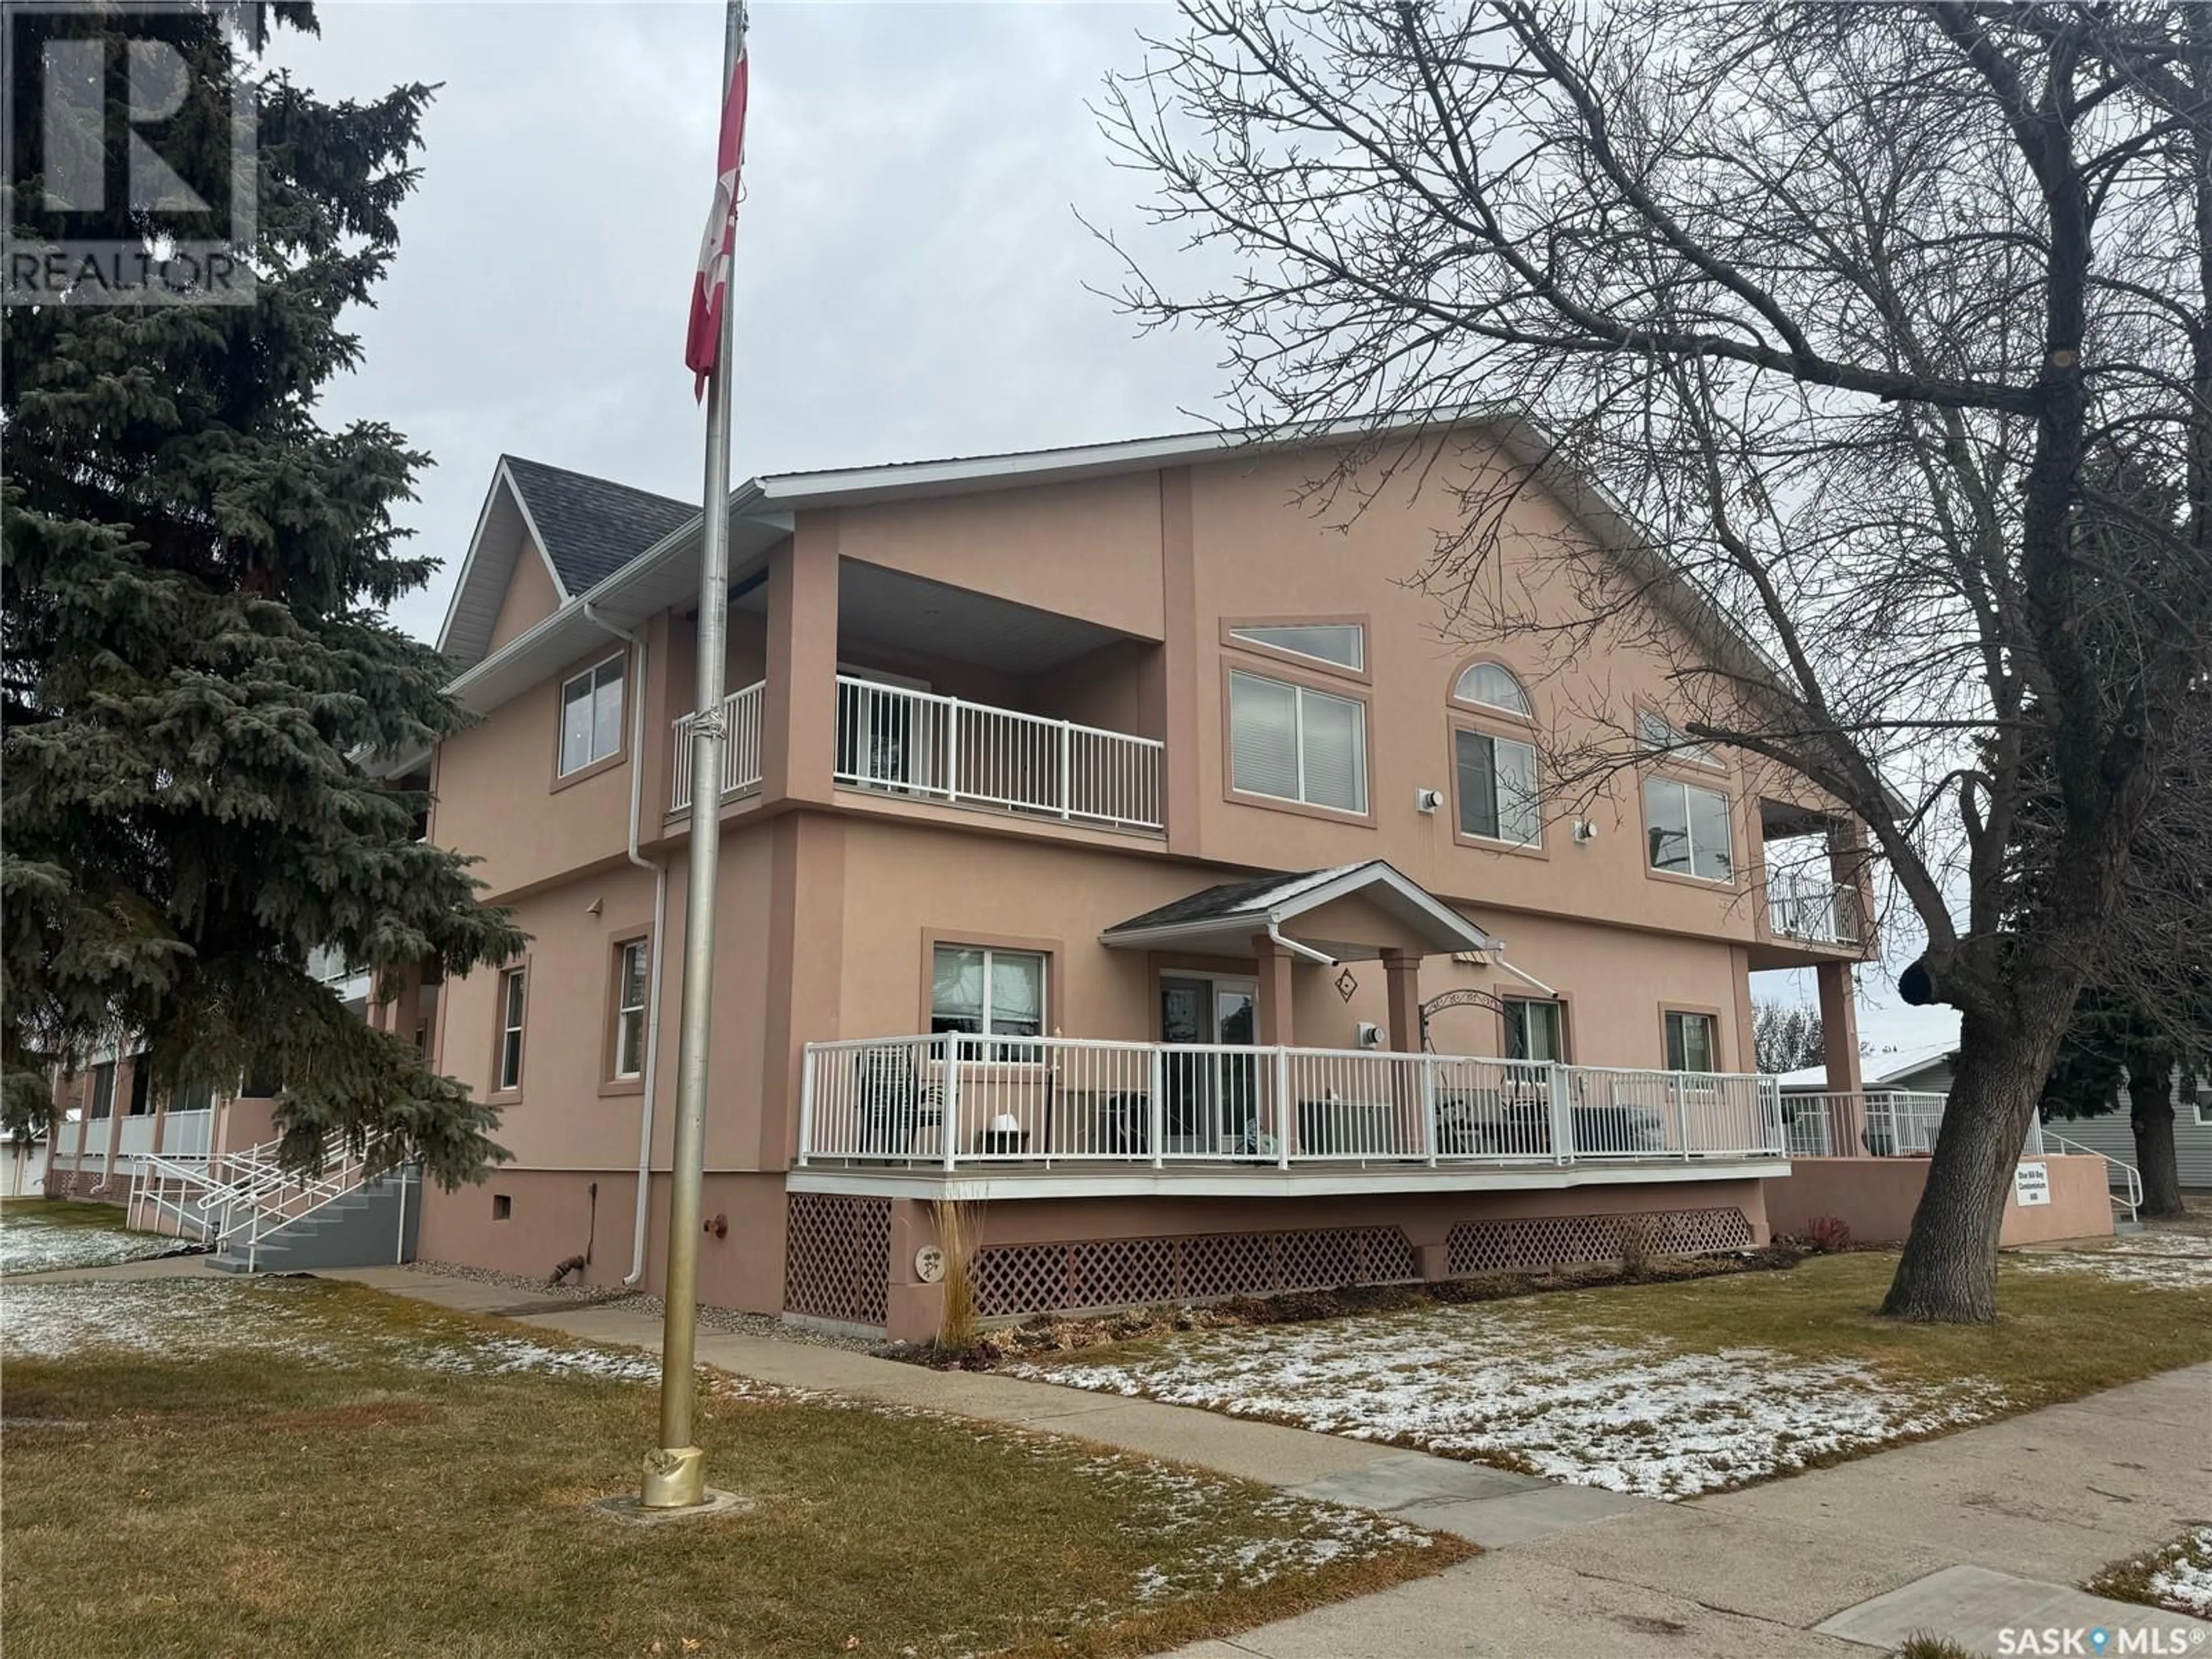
column 710, row 288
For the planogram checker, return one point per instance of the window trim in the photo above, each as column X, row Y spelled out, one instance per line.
column 968, row 939
column 1733, row 880
column 500, row 1090
column 612, row 1081
column 1362, row 675
column 1230, row 792
column 1510, row 730
column 1669, row 1011
column 1452, row 695
column 620, row 750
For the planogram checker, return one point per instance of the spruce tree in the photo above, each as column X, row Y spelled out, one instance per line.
column 201, row 690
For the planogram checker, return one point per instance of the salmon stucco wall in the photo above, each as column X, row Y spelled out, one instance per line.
column 1875, row 1197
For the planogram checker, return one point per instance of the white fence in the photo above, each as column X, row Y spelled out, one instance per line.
column 1897, row 1123
column 954, row 1100
column 916, row 743
column 187, row 1134
column 741, row 747
column 1801, row 907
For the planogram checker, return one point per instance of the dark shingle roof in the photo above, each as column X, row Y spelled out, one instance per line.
column 1230, row 898
column 591, row 528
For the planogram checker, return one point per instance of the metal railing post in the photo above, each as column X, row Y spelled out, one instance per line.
column 805, row 1103
column 1681, row 1115
column 1066, row 794
column 1158, row 1111
column 1428, row 1064
column 1286, row 1111
column 952, row 754
column 1558, row 1090
column 399, row 1245
column 948, row 1114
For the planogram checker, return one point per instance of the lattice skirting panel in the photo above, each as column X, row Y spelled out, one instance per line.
column 1553, row 1241
column 837, row 1257
column 1116, row 1273
column 82, row 1184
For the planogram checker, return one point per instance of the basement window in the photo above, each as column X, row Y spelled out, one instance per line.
column 503, row 1206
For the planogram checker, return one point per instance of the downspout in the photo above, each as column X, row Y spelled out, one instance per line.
column 652, row 950
column 1298, row 949
column 1528, row 978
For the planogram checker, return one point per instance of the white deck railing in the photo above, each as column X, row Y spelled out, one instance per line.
column 920, row 744
column 1801, row 907
column 1892, row 1123
column 952, row 1101
column 741, row 749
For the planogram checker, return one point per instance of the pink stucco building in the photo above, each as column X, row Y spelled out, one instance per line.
column 1100, row 823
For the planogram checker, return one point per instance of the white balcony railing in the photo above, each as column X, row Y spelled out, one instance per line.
column 918, row 743
column 952, row 1101
column 1802, row 907
column 1892, row 1123
column 741, row 748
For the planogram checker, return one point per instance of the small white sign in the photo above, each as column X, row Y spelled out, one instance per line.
column 2030, row 1184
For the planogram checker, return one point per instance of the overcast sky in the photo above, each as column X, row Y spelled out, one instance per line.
column 910, row 274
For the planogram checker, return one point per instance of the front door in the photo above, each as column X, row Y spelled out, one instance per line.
column 1212, row 1095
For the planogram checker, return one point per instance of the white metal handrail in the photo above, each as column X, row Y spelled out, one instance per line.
column 956, row 1099
column 1799, row 906
column 741, row 747
column 904, row 742
column 2129, row 1199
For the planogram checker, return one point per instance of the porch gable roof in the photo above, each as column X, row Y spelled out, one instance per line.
column 1229, row 915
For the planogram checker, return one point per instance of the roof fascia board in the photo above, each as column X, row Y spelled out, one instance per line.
column 499, row 480
column 529, row 523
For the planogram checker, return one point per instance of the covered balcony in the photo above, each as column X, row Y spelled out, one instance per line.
column 945, row 696
column 1813, row 895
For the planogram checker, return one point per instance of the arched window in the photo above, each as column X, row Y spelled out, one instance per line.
column 1493, row 687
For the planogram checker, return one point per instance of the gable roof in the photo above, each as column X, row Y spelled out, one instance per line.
column 590, row 527
column 1897, row 1067
column 1235, row 910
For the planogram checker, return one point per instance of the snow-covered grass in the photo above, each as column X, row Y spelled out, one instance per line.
column 41, row 1236
column 1670, row 1390
column 1505, row 1383
column 2178, row 1577
column 203, row 1444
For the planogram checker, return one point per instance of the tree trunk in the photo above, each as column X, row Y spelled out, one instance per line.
column 2150, row 1114
column 1948, row 1271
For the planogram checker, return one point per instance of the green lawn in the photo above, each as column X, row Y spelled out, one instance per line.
column 204, row 1467
column 1673, row 1390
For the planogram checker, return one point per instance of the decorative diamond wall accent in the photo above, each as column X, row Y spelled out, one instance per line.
column 1488, row 1247
column 837, row 1257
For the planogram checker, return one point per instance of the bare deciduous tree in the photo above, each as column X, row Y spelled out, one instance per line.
column 1848, row 316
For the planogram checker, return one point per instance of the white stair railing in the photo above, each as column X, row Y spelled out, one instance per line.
column 2129, row 1200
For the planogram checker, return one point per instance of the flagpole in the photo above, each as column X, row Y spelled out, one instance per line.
column 676, row 1473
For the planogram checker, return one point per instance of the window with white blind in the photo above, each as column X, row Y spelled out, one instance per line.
column 1497, row 779
column 1688, row 830
column 1692, row 1042
column 999, row 992
column 1494, row 687
column 508, row 1060
column 1535, row 1031
column 629, row 1009
column 1293, row 743
column 591, row 716
column 1341, row 645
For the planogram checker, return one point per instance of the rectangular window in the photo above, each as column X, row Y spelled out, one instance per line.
column 1689, row 829
column 1341, row 644
column 142, row 1087
column 1296, row 744
column 1497, row 788
column 1655, row 734
column 103, row 1091
column 511, row 998
column 1535, row 1031
column 999, row 992
column 1691, row 1042
column 591, row 716
column 630, row 1008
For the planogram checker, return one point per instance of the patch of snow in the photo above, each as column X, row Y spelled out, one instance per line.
column 1627, row 1413
column 2184, row 1583
column 28, row 1245
column 492, row 1355
column 2179, row 1271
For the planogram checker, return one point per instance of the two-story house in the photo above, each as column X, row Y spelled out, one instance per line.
column 1110, row 839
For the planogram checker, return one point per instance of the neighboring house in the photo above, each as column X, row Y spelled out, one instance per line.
column 23, row 1164
column 1103, row 831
